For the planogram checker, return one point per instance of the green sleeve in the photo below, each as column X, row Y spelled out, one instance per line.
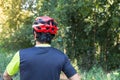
column 13, row 66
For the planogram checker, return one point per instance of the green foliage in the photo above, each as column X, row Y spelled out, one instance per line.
column 97, row 73
column 4, row 60
column 20, row 38
column 89, row 30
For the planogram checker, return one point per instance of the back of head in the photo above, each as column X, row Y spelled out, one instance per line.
column 45, row 29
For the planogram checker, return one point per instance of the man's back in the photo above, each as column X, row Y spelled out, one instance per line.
column 43, row 63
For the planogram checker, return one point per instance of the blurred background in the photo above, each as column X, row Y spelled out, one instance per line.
column 89, row 33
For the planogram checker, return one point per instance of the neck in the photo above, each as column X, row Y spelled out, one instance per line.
column 38, row 43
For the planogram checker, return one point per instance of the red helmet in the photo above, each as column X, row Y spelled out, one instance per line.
column 45, row 24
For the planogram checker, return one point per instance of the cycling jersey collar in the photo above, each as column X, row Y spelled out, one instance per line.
column 43, row 45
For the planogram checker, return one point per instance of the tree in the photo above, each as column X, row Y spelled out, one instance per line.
column 89, row 30
column 15, row 24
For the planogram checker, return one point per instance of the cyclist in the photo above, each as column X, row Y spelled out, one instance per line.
column 41, row 62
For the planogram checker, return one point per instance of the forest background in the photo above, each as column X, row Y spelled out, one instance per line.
column 89, row 32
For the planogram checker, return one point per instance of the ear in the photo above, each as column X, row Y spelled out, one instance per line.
column 35, row 35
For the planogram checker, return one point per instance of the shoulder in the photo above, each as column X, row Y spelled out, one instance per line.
column 26, row 49
column 58, row 53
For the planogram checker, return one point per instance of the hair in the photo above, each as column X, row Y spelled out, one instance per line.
column 44, row 37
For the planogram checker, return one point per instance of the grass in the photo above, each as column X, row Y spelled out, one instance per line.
column 94, row 74
column 4, row 60
column 98, row 74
